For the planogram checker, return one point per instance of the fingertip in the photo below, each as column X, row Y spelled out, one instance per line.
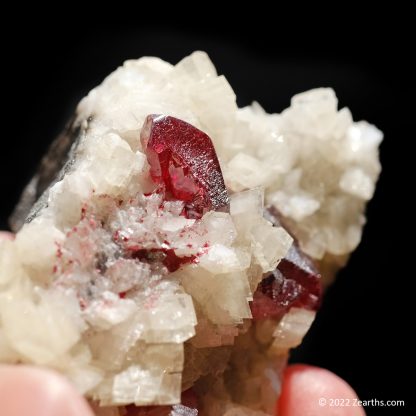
column 5, row 235
column 34, row 391
column 308, row 391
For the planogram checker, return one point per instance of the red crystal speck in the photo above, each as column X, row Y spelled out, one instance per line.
column 166, row 256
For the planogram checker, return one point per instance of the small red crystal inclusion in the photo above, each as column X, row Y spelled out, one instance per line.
column 183, row 160
column 166, row 256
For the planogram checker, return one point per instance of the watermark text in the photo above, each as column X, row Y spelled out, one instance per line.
column 341, row 402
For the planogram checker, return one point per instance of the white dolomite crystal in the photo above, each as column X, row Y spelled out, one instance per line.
column 139, row 328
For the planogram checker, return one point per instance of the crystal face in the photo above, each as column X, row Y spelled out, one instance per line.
column 147, row 284
column 183, row 158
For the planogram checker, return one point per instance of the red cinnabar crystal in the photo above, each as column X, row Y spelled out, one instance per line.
column 295, row 282
column 183, row 160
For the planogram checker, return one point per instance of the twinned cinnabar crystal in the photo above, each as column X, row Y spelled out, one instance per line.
column 295, row 282
column 183, row 160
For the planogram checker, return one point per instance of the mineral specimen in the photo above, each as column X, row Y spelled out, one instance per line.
column 167, row 250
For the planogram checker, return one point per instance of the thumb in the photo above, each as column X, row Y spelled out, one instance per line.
column 30, row 391
column 309, row 391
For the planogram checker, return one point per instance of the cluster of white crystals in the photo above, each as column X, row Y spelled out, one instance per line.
column 134, row 302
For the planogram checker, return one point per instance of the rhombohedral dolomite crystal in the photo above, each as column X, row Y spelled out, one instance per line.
column 169, row 249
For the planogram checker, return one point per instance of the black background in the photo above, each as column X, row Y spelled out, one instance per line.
column 361, row 332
